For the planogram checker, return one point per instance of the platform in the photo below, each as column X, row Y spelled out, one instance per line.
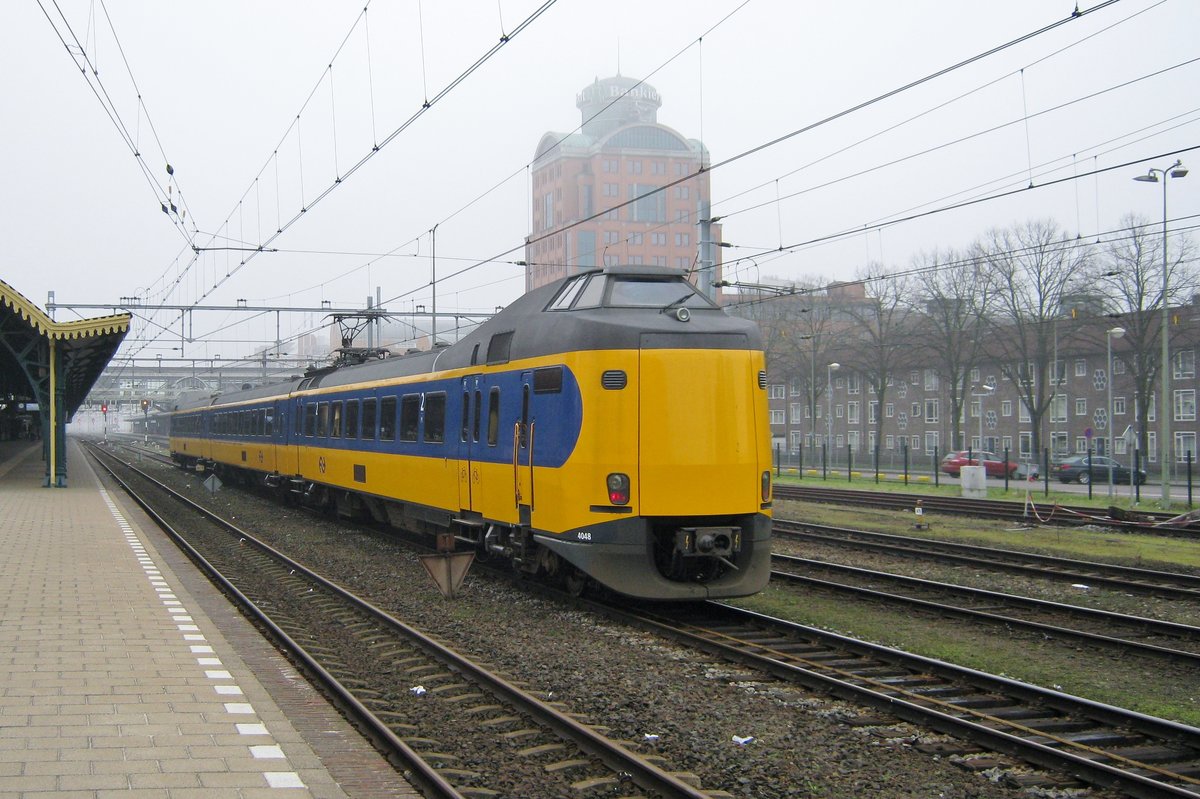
column 124, row 673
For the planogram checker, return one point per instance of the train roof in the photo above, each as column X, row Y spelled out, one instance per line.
column 563, row 316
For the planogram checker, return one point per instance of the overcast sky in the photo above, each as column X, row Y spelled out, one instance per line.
column 222, row 84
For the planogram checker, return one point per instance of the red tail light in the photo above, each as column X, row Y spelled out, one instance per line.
column 618, row 488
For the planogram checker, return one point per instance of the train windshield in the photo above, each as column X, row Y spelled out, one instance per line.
column 629, row 291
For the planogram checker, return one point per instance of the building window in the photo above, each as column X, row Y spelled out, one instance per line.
column 1184, row 364
column 852, row 413
column 1081, row 367
column 634, row 167
column 547, row 211
column 915, row 411
column 1006, row 407
column 683, row 239
column 659, row 260
column 1058, row 408
column 975, row 406
column 872, row 412
column 1024, row 412
column 776, row 392
column 683, row 192
column 931, row 442
column 1152, row 446
column 889, row 442
column 796, row 412
column 635, row 239
column 611, row 190
column 777, row 417
column 611, row 165
column 841, row 441
column 1081, row 445
column 839, row 410
column 611, row 237
column 1080, row 406
column 853, row 384
column 1118, row 406
column 658, row 168
column 684, row 217
column 1185, row 444
column 852, row 440
column 1026, row 444
column 931, row 380
column 975, row 375
column 658, row 239
column 1185, row 405
column 1118, row 366
column 889, row 411
column 931, row 411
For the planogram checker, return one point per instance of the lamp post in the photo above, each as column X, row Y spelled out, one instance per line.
column 1116, row 332
column 987, row 390
column 829, row 370
column 1176, row 170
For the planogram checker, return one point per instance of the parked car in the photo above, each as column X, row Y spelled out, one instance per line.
column 993, row 465
column 1076, row 470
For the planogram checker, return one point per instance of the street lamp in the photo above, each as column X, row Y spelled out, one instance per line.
column 1176, row 170
column 829, row 370
column 1116, row 332
column 987, row 391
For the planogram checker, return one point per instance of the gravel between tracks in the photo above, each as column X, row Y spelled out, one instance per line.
column 634, row 684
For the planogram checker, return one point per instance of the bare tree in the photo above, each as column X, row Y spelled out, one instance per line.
column 951, row 310
column 880, row 327
column 1129, row 274
column 1032, row 269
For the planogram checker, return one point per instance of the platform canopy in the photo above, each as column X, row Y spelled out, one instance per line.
column 53, row 364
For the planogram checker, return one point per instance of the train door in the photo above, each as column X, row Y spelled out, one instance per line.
column 523, row 443
column 469, row 488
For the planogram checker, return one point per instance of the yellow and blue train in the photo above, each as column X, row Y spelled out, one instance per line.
column 611, row 427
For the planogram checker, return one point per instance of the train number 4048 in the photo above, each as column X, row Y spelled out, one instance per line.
column 583, row 535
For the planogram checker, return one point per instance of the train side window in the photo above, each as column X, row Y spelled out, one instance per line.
column 351, row 418
column 592, row 294
column 323, row 420
column 370, row 412
column 523, row 433
column 466, row 415
column 567, row 295
column 493, row 416
column 310, row 419
column 548, row 380
column 410, row 416
column 260, row 421
column 499, row 348
column 435, row 418
column 269, row 422
column 475, row 426
column 298, row 420
column 335, row 419
column 387, row 419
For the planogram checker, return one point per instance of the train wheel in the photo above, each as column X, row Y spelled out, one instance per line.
column 576, row 582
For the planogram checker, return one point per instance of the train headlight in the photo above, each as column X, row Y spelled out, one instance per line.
column 766, row 486
column 618, row 488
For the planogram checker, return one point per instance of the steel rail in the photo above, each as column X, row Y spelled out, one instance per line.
column 617, row 758
column 1008, row 735
column 1173, row 584
column 1124, row 644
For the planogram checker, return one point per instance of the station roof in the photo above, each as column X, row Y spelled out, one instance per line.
column 85, row 347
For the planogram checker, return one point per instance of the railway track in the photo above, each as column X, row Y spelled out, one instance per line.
column 1094, row 743
column 1086, row 740
column 1140, row 581
column 1125, row 633
column 412, row 696
column 988, row 509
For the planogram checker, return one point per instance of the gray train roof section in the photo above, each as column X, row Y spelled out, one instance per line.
column 537, row 331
